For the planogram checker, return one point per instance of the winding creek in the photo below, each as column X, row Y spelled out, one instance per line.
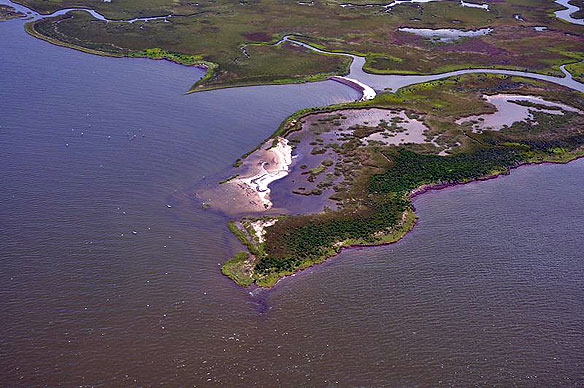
column 393, row 82
column 398, row 2
column 566, row 14
column 111, row 272
column 33, row 15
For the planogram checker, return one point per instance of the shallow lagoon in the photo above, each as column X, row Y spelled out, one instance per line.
column 509, row 111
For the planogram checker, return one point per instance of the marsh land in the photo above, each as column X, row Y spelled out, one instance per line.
column 7, row 12
column 236, row 39
column 371, row 158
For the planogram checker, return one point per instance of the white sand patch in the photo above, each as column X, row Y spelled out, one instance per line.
column 259, row 228
column 367, row 91
column 272, row 164
column 474, row 5
column 249, row 191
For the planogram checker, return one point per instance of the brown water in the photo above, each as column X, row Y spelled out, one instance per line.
column 487, row 290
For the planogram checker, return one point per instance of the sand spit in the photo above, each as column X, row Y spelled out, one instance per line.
column 272, row 164
column 484, row 6
column 248, row 191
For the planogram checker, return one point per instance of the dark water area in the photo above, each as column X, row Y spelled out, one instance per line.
column 102, row 284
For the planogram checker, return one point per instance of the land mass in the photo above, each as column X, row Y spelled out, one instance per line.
column 236, row 40
column 372, row 157
column 7, row 12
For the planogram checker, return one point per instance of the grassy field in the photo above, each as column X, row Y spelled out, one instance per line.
column 577, row 70
column 215, row 32
column 375, row 208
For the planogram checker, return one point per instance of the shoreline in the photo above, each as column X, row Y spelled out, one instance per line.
column 208, row 67
column 367, row 92
column 259, row 182
column 441, row 186
column 390, row 235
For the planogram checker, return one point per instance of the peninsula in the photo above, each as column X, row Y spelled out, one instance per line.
column 364, row 162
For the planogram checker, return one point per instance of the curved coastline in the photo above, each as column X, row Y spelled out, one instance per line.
column 403, row 228
column 377, row 82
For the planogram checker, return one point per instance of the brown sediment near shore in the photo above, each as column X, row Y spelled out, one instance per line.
column 248, row 191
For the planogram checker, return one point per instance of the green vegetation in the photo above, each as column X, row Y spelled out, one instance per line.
column 235, row 269
column 297, row 242
column 411, row 170
column 318, row 170
column 235, row 41
column 158, row 53
column 244, row 236
column 577, row 71
column 228, row 179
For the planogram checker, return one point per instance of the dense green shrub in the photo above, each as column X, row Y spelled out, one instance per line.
column 411, row 170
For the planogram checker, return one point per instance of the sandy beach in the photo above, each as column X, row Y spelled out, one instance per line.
column 367, row 91
column 249, row 191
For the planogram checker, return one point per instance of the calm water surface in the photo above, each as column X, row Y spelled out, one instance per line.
column 102, row 284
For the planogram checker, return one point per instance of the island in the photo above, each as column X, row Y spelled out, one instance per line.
column 359, row 165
